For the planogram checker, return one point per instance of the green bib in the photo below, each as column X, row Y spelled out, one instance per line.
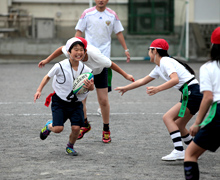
column 184, row 101
column 211, row 115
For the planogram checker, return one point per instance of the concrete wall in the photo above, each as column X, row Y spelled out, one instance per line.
column 39, row 49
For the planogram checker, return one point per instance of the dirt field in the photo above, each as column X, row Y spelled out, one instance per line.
column 139, row 137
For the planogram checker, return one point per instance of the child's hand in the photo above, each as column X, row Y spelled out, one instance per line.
column 89, row 84
column 152, row 90
column 194, row 129
column 37, row 95
column 121, row 90
column 42, row 63
column 130, row 77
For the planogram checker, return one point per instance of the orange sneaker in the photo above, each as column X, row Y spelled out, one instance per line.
column 84, row 130
column 106, row 137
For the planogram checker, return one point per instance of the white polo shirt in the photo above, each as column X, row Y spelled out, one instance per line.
column 167, row 67
column 64, row 77
column 98, row 27
column 96, row 60
column 210, row 79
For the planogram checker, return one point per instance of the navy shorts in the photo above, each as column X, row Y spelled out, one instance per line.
column 101, row 80
column 208, row 137
column 194, row 98
column 63, row 110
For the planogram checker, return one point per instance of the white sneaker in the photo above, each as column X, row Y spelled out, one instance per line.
column 174, row 155
column 99, row 111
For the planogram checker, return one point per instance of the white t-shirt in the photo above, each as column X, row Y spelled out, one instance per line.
column 210, row 79
column 98, row 27
column 63, row 78
column 167, row 67
column 96, row 60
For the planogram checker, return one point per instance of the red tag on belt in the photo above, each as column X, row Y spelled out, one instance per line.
column 48, row 99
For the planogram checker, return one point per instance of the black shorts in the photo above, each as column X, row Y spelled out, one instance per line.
column 101, row 80
column 63, row 110
column 208, row 137
column 194, row 98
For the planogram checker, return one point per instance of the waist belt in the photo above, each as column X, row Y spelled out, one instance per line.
column 181, row 88
column 184, row 90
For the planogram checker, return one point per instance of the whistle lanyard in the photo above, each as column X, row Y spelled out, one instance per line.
column 211, row 115
column 184, row 100
column 72, row 70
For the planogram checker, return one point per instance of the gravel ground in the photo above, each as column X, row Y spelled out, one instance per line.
column 139, row 137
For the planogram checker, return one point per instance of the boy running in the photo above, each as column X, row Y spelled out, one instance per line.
column 64, row 107
column 95, row 60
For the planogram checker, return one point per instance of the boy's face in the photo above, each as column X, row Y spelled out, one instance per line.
column 77, row 53
column 101, row 3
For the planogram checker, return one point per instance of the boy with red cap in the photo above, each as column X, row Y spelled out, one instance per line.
column 180, row 76
column 95, row 60
column 207, row 137
column 64, row 107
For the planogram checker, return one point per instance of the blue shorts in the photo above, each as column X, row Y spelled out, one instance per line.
column 208, row 137
column 63, row 110
column 194, row 98
column 101, row 80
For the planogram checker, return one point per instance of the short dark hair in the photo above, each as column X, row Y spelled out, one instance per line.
column 75, row 43
column 215, row 53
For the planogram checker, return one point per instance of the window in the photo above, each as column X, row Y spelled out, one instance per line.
column 151, row 16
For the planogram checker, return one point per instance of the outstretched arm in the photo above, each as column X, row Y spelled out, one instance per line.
column 121, row 39
column 172, row 82
column 41, row 86
column 136, row 84
column 55, row 54
column 116, row 68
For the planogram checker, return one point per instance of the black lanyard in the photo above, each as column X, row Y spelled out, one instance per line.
column 72, row 70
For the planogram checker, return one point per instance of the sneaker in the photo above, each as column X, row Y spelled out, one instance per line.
column 174, row 155
column 71, row 151
column 84, row 130
column 106, row 137
column 45, row 131
column 99, row 111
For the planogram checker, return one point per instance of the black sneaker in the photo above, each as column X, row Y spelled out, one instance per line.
column 45, row 131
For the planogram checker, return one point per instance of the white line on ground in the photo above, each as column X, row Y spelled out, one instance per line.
column 93, row 114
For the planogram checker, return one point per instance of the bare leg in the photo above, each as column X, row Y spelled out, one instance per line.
column 102, row 95
column 191, row 168
column 193, row 152
column 55, row 129
column 173, row 122
column 74, row 134
column 84, row 108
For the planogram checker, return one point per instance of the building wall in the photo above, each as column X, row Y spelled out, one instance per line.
column 67, row 12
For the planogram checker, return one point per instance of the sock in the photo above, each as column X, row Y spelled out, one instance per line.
column 187, row 139
column 70, row 145
column 105, row 127
column 191, row 170
column 86, row 123
column 177, row 142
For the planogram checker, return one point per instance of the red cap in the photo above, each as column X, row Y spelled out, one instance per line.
column 160, row 44
column 83, row 41
column 215, row 38
column 75, row 39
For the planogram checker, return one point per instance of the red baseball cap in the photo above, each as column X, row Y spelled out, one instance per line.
column 83, row 41
column 75, row 39
column 215, row 38
column 160, row 44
